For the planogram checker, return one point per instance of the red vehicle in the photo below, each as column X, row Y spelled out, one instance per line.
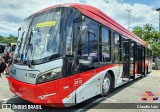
column 69, row 53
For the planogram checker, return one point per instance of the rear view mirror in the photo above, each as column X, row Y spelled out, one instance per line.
column 19, row 29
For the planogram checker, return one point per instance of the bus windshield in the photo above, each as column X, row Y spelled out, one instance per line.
column 43, row 36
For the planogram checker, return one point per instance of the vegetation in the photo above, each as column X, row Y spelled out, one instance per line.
column 10, row 38
column 150, row 35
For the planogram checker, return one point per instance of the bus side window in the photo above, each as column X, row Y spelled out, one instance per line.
column 105, row 45
column 117, row 48
column 90, row 43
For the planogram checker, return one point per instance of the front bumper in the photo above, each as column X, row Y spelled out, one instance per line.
column 44, row 94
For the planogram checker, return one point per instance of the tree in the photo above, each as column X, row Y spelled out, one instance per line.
column 150, row 35
column 1, row 38
column 138, row 31
column 9, row 39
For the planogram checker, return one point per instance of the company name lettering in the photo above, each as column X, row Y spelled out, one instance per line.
column 147, row 106
column 26, row 106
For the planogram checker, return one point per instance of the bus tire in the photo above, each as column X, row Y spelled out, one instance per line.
column 106, row 85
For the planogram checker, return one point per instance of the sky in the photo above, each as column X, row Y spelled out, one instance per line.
column 13, row 12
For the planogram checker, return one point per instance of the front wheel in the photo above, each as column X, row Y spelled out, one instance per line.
column 106, row 85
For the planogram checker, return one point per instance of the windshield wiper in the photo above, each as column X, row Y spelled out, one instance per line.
column 54, row 56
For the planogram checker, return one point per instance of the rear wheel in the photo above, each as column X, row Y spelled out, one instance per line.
column 106, row 85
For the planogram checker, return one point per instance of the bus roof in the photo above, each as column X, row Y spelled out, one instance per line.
column 101, row 17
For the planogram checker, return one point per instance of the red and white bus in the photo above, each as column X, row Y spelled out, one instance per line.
column 69, row 53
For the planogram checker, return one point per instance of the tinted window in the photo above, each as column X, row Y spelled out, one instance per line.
column 117, row 48
column 90, row 42
column 105, row 46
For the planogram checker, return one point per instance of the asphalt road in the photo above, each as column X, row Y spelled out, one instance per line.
column 132, row 92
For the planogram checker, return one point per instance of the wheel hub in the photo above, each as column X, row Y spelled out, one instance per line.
column 106, row 84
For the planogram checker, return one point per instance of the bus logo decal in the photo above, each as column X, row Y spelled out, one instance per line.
column 77, row 81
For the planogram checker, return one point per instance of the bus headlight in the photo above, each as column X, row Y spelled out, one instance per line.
column 49, row 75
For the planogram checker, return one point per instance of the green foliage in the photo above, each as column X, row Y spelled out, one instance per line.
column 9, row 39
column 150, row 35
column 1, row 38
column 138, row 31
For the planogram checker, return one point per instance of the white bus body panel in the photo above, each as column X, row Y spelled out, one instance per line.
column 93, row 86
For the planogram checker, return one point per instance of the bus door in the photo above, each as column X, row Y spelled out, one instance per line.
column 126, row 59
column 139, row 59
